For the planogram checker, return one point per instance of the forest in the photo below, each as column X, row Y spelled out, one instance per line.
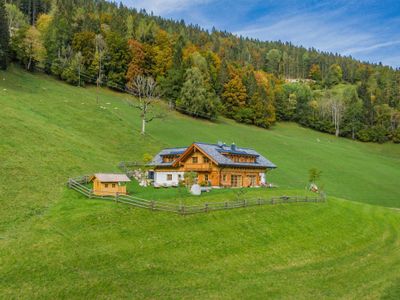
column 202, row 73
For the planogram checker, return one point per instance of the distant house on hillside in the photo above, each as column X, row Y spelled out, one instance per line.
column 299, row 80
column 218, row 165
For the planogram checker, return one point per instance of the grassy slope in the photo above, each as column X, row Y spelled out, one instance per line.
column 54, row 244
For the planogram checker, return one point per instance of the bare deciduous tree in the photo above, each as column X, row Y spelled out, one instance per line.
column 100, row 50
column 145, row 88
column 336, row 108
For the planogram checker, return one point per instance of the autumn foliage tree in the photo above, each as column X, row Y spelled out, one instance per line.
column 136, row 65
column 234, row 96
column 315, row 73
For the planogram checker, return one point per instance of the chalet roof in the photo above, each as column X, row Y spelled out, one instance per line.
column 158, row 161
column 109, row 177
column 215, row 152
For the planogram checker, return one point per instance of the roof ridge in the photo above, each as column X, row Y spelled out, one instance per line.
column 175, row 147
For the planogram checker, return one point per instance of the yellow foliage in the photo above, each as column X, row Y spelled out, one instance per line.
column 188, row 51
column 43, row 22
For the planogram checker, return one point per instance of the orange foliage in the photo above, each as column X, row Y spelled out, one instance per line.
column 136, row 65
column 188, row 51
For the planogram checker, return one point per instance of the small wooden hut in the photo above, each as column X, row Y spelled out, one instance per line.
column 109, row 184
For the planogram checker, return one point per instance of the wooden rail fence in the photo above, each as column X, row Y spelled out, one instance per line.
column 77, row 184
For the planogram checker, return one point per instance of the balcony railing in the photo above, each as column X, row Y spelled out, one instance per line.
column 205, row 167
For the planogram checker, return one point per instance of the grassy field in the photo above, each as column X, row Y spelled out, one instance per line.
column 56, row 244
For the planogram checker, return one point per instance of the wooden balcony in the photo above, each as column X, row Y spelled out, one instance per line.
column 202, row 167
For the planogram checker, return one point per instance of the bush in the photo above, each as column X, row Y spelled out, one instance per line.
column 70, row 75
column 378, row 134
column 363, row 135
column 396, row 136
column 244, row 115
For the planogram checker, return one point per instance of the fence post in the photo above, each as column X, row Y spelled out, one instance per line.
column 226, row 205
column 323, row 196
column 206, row 207
column 90, row 193
column 182, row 209
column 116, row 197
column 152, row 205
column 244, row 203
column 259, row 201
column 272, row 200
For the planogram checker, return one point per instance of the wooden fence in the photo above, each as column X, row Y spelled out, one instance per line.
column 77, row 184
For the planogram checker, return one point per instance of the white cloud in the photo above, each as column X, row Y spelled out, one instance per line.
column 372, row 47
column 333, row 31
column 310, row 30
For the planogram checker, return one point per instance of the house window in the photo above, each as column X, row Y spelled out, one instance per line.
column 206, row 177
column 224, row 177
column 236, row 180
column 113, row 185
column 194, row 160
column 169, row 177
column 206, row 159
column 106, row 185
column 235, row 158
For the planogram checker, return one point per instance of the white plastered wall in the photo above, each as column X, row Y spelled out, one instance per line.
column 161, row 178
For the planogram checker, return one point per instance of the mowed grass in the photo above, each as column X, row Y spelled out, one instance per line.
column 54, row 243
column 92, row 249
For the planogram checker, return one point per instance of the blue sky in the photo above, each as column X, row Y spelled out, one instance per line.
column 366, row 29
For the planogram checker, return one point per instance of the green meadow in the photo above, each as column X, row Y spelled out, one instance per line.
column 55, row 243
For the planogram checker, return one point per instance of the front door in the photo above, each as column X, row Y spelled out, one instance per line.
column 252, row 180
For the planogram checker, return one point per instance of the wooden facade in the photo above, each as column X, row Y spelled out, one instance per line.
column 209, row 172
column 109, row 184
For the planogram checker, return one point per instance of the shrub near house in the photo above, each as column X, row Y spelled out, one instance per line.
column 218, row 165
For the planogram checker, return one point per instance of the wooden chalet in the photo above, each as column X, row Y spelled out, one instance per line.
column 217, row 165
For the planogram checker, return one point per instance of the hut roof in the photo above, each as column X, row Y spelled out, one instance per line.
column 110, row 177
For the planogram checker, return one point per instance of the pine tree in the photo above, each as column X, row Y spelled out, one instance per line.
column 172, row 82
column 4, row 36
column 353, row 114
column 274, row 58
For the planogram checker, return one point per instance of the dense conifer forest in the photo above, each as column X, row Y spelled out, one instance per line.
column 202, row 73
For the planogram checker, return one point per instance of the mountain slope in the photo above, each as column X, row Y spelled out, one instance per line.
column 56, row 244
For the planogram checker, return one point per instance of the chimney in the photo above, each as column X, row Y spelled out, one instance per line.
column 233, row 147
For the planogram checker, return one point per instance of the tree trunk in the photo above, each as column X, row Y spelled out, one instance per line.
column 29, row 63
column 143, row 126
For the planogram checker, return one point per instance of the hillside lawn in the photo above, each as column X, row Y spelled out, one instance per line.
column 54, row 243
